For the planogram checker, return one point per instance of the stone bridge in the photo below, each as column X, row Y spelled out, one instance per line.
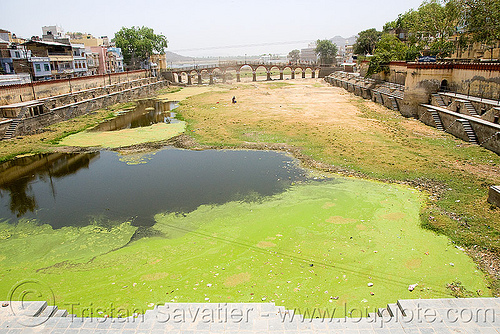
column 223, row 67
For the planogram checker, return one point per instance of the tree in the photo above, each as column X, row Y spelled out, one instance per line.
column 429, row 27
column 481, row 19
column 294, row 55
column 326, row 50
column 388, row 49
column 138, row 44
column 367, row 39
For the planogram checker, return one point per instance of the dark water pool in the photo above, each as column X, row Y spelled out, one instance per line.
column 74, row 189
column 146, row 113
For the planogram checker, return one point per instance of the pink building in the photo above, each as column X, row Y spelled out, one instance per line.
column 101, row 51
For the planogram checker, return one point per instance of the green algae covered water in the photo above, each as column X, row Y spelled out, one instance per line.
column 339, row 245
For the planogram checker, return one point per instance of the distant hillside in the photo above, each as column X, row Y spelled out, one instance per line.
column 341, row 42
column 174, row 57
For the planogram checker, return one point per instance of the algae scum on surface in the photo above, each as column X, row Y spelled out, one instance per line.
column 274, row 237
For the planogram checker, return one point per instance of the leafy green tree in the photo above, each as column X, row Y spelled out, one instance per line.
column 326, row 50
column 442, row 49
column 480, row 18
column 413, row 52
column 388, row 49
column 294, row 55
column 366, row 42
column 138, row 44
column 431, row 26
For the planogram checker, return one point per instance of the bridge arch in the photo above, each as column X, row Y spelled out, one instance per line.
column 261, row 68
column 287, row 72
column 276, row 72
column 245, row 70
column 216, row 75
column 298, row 72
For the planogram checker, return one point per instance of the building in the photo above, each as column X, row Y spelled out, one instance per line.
column 274, row 59
column 80, row 67
column 160, row 61
column 6, row 65
column 308, row 55
column 477, row 51
column 92, row 61
column 5, row 36
column 37, row 67
column 41, row 68
column 114, row 61
column 54, row 34
column 99, row 53
column 60, row 56
column 85, row 39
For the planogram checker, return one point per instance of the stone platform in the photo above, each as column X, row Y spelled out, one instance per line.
column 474, row 315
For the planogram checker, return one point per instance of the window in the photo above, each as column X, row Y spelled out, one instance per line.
column 46, row 67
column 84, row 66
column 38, row 68
column 17, row 54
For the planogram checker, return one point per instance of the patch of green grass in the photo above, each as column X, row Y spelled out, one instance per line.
column 277, row 85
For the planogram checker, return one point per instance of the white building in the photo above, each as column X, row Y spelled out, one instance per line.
column 274, row 59
column 80, row 66
column 54, row 34
column 41, row 68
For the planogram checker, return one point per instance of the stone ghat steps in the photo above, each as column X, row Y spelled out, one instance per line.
column 475, row 315
column 437, row 119
column 469, row 131
column 470, row 108
column 439, row 100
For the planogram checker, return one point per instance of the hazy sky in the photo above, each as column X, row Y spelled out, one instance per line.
column 211, row 28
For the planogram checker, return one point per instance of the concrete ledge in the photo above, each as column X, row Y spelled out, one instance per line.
column 494, row 195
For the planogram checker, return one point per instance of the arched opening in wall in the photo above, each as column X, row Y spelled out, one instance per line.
column 184, row 77
column 308, row 73
column 194, row 77
column 298, row 73
column 275, row 73
column 287, row 73
column 231, row 75
column 444, row 85
column 261, row 73
column 205, row 77
column 217, row 75
column 246, row 73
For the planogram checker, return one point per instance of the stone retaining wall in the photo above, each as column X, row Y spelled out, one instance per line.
column 487, row 132
column 60, row 113
column 43, row 89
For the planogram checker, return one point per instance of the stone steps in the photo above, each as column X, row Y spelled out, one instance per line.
column 437, row 119
column 394, row 103
column 11, row 130
column 470, row 108
column 469, row 131
column 402, row 316
column 439, row 100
